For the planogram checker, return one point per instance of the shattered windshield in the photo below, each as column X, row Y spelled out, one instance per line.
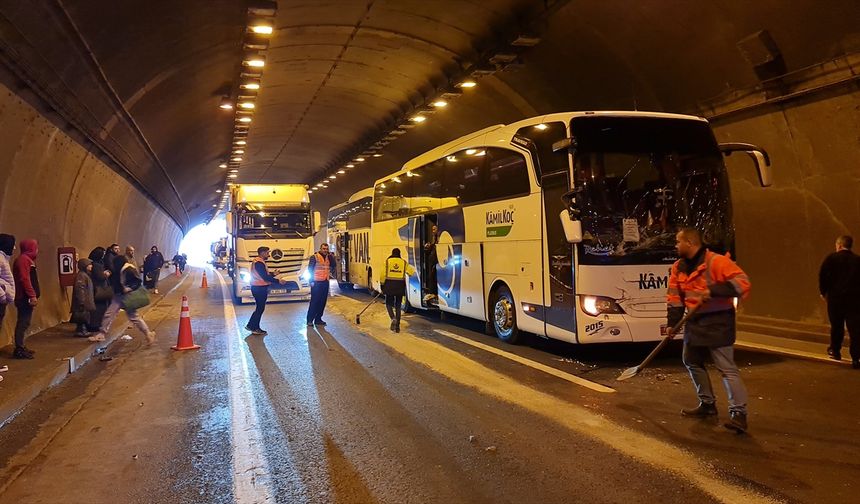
column 638, row 180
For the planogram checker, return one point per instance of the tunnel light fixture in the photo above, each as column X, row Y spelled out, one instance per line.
column 247, row 105
column 350, row 165
column 250, row 85
column 332, row 177
column 262, row 29
column 239, row 151
column 222, row 165
column 440, row 104
column 232, row 175
column 466, row 84
column 240, row 142
column 359, row 160
column 245, row 120
column 341, row 172
column 254, row 61
column 320, row 184
column 234, row 170
column 237, row 159
column 418, row 118
column 226, row 103
column 377, row 155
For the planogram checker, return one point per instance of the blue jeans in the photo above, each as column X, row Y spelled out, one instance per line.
column 724, row 360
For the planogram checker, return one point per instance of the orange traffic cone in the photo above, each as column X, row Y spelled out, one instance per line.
column 205, row 283
column 176, row 273
column 185, row 340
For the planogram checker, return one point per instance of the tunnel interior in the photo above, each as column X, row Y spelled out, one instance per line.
column 112, row 131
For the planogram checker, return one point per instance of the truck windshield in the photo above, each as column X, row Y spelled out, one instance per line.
column 639, row 179
column 272, row 223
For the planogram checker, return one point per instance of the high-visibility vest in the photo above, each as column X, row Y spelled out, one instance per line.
column 395, row 268
column 256, row 279
column 686, row 289
column 322, row 268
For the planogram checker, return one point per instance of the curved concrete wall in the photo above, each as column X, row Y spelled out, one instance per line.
column 58, row 192
column 785, row 231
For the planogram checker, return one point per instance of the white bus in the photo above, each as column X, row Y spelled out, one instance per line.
column 349, row 237
column 561, row 225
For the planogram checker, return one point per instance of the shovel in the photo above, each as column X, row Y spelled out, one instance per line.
column 358, row 317
column 633, row 371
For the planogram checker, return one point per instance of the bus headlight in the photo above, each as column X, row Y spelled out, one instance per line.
column 597, row 305
column 245, row 276
column 306, row 276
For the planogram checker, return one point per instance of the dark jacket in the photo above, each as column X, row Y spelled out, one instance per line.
column 839, row 276
column 98, row 273
column 124, row 277
column 109, row 259
column 83, row 300
column 154, row 261
column 24, row 271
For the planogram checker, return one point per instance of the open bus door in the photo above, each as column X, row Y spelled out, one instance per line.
column 342, row 256
column 420, row 290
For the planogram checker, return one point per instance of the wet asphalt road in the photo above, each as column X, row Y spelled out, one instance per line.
column 356, row 414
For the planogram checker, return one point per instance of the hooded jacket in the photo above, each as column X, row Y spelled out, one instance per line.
column 153, row 262
column 83, row 299
column 24, row 271
column 7, row 280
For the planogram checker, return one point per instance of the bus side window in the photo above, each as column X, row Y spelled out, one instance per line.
column 543, row 136
column 507, row 174
column 465, row 176
column 426, row 187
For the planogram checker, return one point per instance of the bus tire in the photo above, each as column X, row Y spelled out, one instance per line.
column 503, row 315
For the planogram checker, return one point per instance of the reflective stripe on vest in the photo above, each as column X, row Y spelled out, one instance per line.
column 256, row 279
column 688, row 288
column 395, row 268
column 321, row 268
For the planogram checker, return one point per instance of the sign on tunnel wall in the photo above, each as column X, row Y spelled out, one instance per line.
column 66, row 266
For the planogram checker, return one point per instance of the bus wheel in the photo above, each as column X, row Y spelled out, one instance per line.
column 504, row 316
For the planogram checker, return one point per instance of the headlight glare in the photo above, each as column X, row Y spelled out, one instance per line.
column 597, row 305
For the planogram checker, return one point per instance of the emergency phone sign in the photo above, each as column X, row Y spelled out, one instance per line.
column 66, row 265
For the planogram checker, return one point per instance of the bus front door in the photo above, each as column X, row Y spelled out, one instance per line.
column 560, row 305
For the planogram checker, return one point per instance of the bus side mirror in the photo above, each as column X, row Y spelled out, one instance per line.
column 317, row 222
column 759, row 157
column 229, row 220
column 572, row 227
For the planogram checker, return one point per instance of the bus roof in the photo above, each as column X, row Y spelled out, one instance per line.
column 507, row 131
column 364, row 193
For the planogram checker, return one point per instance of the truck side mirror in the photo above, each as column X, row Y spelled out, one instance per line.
column 572, row 227
column 757, row 154
column 229, row 220
column 317, row 222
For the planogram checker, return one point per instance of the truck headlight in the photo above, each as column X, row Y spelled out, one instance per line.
column 597, row 305
column 306, row 276
column 245, row 276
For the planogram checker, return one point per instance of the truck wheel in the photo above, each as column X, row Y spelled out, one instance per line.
column 503, row 315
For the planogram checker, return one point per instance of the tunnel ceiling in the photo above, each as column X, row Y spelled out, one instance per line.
column 141, row 80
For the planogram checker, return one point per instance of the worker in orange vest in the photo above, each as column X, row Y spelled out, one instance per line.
column 710, row 282
column 321, row 267
column 261, row 279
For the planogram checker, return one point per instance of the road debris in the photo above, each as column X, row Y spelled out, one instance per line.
column 126, row 337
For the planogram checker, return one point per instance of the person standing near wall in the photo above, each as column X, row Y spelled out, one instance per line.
column 111, row 254
column 261, row 279
column 321, row 266
column 152, row 265
column 7, row 280
column 708, row 283
column 839, row 285
column 393, row 280
column 83, row 299
column 102, row 290
column 26, row 294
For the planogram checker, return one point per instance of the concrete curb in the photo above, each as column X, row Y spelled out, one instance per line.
column 14, row 403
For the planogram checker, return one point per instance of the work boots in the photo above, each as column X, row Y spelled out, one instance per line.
column 703, row 410
column 737, row 422
column 393, row 324
column 834, row 354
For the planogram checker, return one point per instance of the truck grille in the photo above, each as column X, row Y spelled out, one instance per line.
column 290, row 261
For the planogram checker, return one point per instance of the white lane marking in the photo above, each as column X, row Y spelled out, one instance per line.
column 530, row 363
column 787, row 351
column 251, row 476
